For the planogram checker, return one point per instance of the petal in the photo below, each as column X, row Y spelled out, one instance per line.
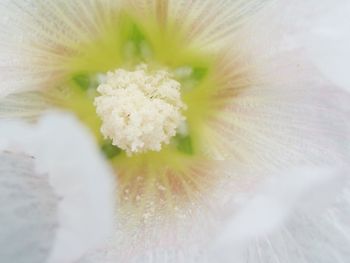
column 300, row 216
column 28, row 215
column 329, row 41
column 207, row 22
column 26, row 105
column 37, row 38
column 79, row 176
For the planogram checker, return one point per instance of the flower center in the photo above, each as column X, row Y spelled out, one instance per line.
column 140, row 111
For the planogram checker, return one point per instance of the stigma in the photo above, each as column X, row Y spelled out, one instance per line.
column 140, row 110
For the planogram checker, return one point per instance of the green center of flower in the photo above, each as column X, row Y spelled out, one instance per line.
column 139, row 110
column 152, row 114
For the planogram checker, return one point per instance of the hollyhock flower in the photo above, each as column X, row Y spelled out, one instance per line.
column 203, row 131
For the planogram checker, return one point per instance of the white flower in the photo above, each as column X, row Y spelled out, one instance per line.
column 229, row 144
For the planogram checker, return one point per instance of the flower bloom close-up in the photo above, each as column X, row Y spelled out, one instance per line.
column 159, row 131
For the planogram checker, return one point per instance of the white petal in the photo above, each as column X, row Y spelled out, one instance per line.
column 211, row 23
column 290, row 215
column 79, row 176
column 28, row 214
column 37, row 37
column 329, row 43
column 26, row 105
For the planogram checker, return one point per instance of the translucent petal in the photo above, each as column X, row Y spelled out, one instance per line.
column 79, row 176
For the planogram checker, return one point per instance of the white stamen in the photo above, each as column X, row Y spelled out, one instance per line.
column 140, row 111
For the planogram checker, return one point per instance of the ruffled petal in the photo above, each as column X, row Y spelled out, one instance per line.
column 79, row 176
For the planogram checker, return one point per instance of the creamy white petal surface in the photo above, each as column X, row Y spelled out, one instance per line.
column 66, row 156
